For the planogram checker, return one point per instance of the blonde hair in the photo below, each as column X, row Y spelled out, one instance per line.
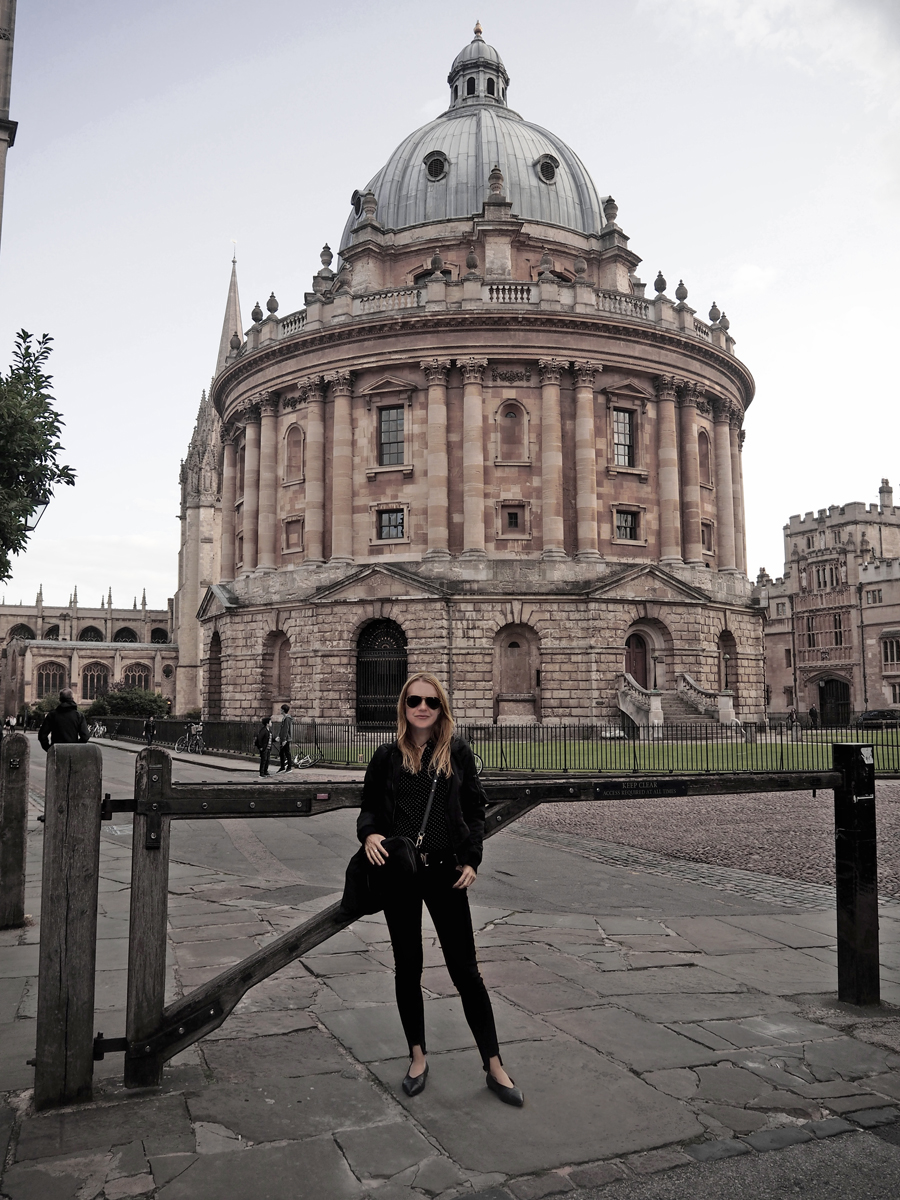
column 443, row 729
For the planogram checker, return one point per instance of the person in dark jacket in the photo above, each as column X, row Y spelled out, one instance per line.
column 398, row 782
column 263, row 741
column 64, row 724
column 285, row 728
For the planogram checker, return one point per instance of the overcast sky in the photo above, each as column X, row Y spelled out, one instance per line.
column 751, row 146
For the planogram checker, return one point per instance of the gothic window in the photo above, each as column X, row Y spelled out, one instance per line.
column 293, row 455
column 159, row 637
column 781, row 608
column 125, row 635
column 811, row 633
column 837, row 622
column 623, row 437
column 21, row 631
column 51, row 633
column 390, row 436
column 890, row 652
column 51, row 678
column 705, row 468
column 137, row 675
column 90, row 634
column 895, row 693
column 94, row 681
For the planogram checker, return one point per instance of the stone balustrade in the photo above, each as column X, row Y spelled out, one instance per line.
column 698, row 697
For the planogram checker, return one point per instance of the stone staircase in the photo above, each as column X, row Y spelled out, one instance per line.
column 677, row 711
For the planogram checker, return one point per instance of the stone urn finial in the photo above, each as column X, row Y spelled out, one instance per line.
column 472, row 261
column 714, row 313
column 546, row 266
column 580, row 267
column 326, row 257
column 257, row 313
column 725, row 323
column 370, row 204
column 235, row 342
column 437, row 263
column 681, row 292
column 610, row 210
column 659, row 283
column 272, row 304
column 495, row 181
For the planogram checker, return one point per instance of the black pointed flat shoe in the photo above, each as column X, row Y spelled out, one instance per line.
column 509, row 1095
column 414, row 1084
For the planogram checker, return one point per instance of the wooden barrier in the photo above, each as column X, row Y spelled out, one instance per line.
column 856, row 875
column 71, row 873
column 14, row 768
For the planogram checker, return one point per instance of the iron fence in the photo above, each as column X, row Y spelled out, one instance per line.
column 556, row 749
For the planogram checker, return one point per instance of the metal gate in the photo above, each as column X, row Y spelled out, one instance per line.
column 381, row 670
column 834, row 702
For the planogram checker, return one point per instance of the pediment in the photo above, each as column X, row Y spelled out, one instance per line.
column 628, row 389
column 378, row 583
column 217, row 600
column 648, row 583
column 388, row 383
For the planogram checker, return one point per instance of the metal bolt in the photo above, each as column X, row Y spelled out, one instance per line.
column 146, row 1049
column 528, row 791
column 155, row 807
column 152, row 837
column 571, row 791
column 299, row 803
column 253, row 804
column 204, row 805
column 181, row 1029
column 155, row 778
column 212, row 1012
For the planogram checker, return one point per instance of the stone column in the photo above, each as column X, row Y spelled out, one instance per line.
column 314, row 521
column 229, row 484
column 473, row 456
column 268, row 409
column 438, row 470
column 551, row 459
column 251, row 487
column 690, row 476
column 725, row 553
column 667, row 457
column 342, row 468
column 585, row 459
column 737, row 483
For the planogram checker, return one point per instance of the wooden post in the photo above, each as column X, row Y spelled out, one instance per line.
column 14, row 761
column 149, row 913
column 71, row 871
column 856, row 875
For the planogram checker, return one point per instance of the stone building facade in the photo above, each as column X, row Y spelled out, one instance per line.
column 832, row 631
column 479, row 449
column 44, row 648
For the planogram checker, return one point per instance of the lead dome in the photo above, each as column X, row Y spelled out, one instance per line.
column 440, row 171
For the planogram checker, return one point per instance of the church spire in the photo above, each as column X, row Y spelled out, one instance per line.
column 232, row 324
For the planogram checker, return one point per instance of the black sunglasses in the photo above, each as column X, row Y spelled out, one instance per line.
column 414, row 701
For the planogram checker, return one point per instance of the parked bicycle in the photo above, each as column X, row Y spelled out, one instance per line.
column 97, row 729
column 192, row 741
column 306, row 754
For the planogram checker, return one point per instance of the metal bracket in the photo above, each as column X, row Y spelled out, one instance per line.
column 103, row 1046
column 160, row 1042
column 154, row 828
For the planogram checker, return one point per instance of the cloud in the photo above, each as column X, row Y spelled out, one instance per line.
column 749, row 278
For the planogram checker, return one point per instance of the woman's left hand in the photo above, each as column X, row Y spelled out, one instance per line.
column 466, row 877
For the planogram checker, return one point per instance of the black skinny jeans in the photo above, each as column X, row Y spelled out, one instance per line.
column 449, row 910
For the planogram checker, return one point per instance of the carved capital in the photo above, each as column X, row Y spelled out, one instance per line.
column 551, row 369
column 666, row 387
column 472, row 369
column 436, row 370
column 742, row 433
column 736, row 419
column 584, row 371
column 228, row 435
column 313, row 389
column 341, row 383
column 689, row 393
column 721, row 410
column 268, row 403
column 249, row 414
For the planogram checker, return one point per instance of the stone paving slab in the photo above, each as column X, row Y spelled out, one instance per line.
column 631, row 1040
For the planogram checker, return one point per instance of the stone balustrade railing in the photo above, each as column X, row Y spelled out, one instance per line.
column 510, row 293
column 624, row 305
column 293, row 323
column 639, row 695
column 698, row 697
column 387, row 301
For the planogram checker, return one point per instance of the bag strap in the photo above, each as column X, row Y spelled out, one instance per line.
column 421, row 835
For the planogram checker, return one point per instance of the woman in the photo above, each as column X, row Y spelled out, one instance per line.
column 395, row 796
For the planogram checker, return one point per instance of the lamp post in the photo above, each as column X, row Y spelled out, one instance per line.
column 655, row 661
column 39, row 507
column 725, row 658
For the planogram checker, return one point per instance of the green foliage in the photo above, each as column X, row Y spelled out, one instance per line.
column 47, row 704
column 29, row 434
column 133, row 702
column 98, row 708
column 192, row 714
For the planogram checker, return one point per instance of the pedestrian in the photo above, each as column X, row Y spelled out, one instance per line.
column 263, row 743
column 792, row 717
column 813, row 717
column 428, row 777
column 284, row 739
column 150, row 730
column 64, row 724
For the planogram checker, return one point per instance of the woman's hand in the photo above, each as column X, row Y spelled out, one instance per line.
column 466, row 877
column 374, row 853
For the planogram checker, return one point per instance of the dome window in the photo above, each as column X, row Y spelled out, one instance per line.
column 470, row 86
column 546, row 167
column 356, row 201
column 456, row 91
column 491, row 88
column 436, row 165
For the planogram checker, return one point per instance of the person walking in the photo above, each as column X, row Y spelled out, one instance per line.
column 284, row 740
column 64, row 724
column 150, row 730
column 427, row 765
column 263, row 743
column 813, row 716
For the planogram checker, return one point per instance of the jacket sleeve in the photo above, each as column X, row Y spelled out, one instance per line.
column 84, row 734
column 44, row 731
column 473, row 803
column 373, row 809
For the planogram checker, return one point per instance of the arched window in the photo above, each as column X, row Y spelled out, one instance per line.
column 159, row 637
column 51, row 678
column 25, row 632
column 456, row 91
column 90, row 634
column 512, row 432
column 381, row 669
column 470, row 86
column 293, row 454
column 277, row 666
column 490, row 87
column 51, row 633
column 94, row 681
column 214, row 679
column 125, row 635
column 137, row 675
column 705, row 467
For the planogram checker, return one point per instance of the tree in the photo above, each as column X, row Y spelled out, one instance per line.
column 29, row 443
column 128, row 702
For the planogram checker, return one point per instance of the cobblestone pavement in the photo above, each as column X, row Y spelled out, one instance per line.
column 787, row 834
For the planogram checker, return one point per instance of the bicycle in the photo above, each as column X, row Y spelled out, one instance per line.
column 479, row 763
column 302, row 756
column 191, row 742
column 97, row 730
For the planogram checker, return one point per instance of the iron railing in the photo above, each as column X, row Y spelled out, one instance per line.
column 596, row 749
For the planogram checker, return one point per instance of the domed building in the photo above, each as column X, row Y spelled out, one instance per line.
column 478, row 449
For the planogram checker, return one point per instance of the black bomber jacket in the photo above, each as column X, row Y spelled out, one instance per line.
column 466, row 801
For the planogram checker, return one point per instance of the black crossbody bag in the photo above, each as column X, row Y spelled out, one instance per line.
column 405, row 856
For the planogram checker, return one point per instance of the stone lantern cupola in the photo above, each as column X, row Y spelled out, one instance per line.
column 478, row 75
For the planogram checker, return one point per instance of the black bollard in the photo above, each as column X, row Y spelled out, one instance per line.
column 856, row 874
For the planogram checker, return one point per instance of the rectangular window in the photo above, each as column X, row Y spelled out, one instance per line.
column 895, row 693
column 623, row 437
column 627, row 526
column 810, row 633
column 890, row 651
column 836, row 536
column 706, row 536
column 781, row 609
column 838, row 630
column 789, row 697
column 512, row 518
column 390, row 436
column 787, row 658
column 293, row 535
column 390, row 524
column 873, row 596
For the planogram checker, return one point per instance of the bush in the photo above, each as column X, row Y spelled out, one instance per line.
column 47, row 704
column 99, row 708
column 131, row 702
column 192, row 714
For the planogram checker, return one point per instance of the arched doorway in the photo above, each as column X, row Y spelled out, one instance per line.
column 517, row 674
column 214, row 679
column 381, row 670
column 636, row 659
column 834, row 702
